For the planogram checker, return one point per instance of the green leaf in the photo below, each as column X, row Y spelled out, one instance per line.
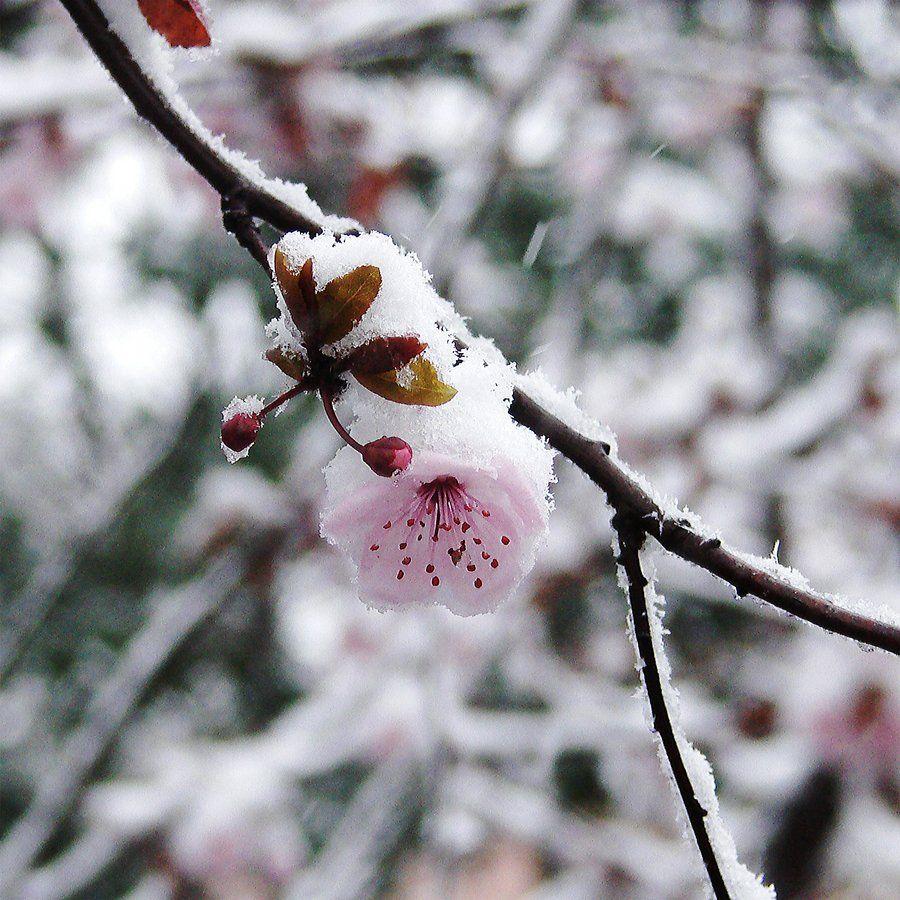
column 424, row 389
column 344, row 301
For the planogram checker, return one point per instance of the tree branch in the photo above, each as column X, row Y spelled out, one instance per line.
column 236, row 220
column 622, row 490
column 631, row 539
column 625, row 495
column 152, row 106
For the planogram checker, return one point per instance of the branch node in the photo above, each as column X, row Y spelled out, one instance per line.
column 237, row 220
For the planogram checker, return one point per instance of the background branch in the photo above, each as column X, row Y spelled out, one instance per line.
column 172, row 624
column 150, row 105
column 469, row 184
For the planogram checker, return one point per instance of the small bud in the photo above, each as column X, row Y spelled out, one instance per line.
column 387, row 455
column 240, row 431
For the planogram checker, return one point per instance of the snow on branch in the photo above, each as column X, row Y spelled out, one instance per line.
column 691, row 774
column 681, row 532
column 141, row 69
column 231, row 176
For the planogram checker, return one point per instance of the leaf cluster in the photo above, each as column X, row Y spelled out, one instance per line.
column 391, row 367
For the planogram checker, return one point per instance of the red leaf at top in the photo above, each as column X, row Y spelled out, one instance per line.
column 180, row 22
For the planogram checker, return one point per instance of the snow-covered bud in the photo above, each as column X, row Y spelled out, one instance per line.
column 240, row 431
column 387, row 456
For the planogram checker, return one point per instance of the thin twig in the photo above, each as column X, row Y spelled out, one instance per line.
column 762, row 252
column 622, row 490
column 236, row 220
column 77, row 868
column 631, row 539
column 471, row 182
column 347, row 866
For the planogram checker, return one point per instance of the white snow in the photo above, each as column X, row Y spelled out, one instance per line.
column 156, row 58
column 741, row 882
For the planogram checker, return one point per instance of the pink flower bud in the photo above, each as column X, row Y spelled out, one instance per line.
column 240, row 431
column 387, row 455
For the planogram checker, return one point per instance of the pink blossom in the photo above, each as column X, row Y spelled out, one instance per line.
column 444, row 531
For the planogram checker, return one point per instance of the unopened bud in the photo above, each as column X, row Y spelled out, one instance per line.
column 240, row 431
column 387, row 455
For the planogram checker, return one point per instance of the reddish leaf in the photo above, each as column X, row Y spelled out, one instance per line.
column 383, row 354
column 293, row 366
column 298, row 290
column 180, row 22
column 344, row 301
column 423, row 389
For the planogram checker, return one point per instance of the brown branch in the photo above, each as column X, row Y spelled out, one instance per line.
column 631, row 539
column 622, row 491
column 236, row 220
column 625, row 495
column 152, row 106
column 762, row 253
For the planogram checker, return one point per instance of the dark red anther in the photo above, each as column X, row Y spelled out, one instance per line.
column 387, row 455
column 240, row 431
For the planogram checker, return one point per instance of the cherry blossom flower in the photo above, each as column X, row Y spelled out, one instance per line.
column 444, row 531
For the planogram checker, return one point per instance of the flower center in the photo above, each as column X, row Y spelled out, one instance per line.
column 447, row 531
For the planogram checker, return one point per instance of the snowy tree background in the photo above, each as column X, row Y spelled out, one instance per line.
column 686, row 210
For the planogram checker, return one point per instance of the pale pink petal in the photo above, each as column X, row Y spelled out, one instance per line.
column 443, row 532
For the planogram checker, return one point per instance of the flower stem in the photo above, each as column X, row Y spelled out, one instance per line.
column 328, row 403
column 283, row 398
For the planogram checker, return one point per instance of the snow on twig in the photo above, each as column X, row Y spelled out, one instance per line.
column 690, row 772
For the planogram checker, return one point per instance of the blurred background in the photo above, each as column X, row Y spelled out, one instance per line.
column 685, row 209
